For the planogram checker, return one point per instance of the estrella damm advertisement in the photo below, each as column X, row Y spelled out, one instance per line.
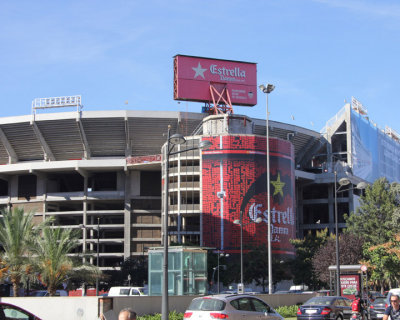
column 234, row 182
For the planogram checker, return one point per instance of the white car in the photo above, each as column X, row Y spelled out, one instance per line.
column 230, row 306
column 127, row 291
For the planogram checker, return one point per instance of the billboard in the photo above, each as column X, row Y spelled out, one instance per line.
column 350, row 285
column 374, row 154
column 234, row 180
column 193, row 77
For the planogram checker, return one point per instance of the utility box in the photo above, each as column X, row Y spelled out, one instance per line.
column 187, row 271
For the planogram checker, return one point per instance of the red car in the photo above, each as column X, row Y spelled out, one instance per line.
column 9, row 311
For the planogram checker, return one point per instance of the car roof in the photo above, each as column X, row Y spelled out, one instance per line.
column 327, row 298
column 226, row 296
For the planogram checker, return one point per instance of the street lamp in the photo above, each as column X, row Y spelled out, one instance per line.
column 220, row 254
column 98, row 248
column 223, row 266
column 267, row 89
column 342, row 182
column 240, row 222
column 175, row 139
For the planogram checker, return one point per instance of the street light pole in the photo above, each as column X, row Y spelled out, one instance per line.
column 174, row 140
column 241, row 249
column 267, row 90
column 338, row 291
column 342, row 182
column 240, row 222
column 218, row 265
column 164, row 301
column 98, row 254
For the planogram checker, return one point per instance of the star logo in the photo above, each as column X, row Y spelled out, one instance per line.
column 199, row 71
column 278, row 185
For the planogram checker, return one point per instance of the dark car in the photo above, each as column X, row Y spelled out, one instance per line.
column 9, row 311
column 328, row 307
column 377, row 308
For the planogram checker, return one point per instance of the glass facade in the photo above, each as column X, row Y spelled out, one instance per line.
column 187, row 271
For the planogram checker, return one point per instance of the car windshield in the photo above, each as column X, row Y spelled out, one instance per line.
column 319, row 301
column 379, row 300
column 207, row 304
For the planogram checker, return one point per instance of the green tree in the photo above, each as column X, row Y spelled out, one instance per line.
column 301, row 265
column 16, row 235
column 375, row 219
column 256, row 267
column 52, row 261
column 383, row 263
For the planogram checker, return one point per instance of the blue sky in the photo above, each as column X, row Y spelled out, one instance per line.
column 118, row 54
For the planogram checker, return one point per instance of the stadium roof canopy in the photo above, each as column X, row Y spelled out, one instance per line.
column 99, row 134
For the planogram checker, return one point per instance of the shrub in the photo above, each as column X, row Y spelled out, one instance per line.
column 173, row 315
column 287, row 311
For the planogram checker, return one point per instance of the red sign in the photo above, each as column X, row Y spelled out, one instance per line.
column 350, row 285
column 193, row 77
column 234, row 180
column 143, row 159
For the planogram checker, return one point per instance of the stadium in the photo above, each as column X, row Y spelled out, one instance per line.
column 104, row 169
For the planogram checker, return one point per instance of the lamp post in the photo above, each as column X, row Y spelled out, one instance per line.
column 223, row 266
column 175, row 139
column 218, row 265
column 267, row 89
column 240, row 222
column 98, row 254
column 342, row 182
column 97, row 228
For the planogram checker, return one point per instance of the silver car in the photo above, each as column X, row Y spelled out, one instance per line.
column 230, row 306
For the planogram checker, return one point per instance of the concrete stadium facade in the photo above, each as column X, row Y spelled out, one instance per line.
column 105, row 168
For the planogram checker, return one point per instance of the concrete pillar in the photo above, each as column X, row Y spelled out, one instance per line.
column 127, row 216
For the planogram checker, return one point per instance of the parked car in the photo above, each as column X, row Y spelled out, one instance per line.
column 376, row 294
column 282, row 292
column 9, row 311
column 323, row 292
column 44, row 293
column 232, row 307
column 327, row 307
column 127, row 291
column 377, row 308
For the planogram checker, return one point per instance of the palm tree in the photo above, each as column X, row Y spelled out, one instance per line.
column 16, row 234
column 52, row 260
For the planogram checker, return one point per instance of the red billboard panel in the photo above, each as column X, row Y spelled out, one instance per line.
column 193, row 77
column 234, row 180
column 350, row 285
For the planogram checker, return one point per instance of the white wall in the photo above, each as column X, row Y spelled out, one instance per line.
column 86, row 308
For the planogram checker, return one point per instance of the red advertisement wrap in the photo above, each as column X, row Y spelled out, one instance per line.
column 234, row 179
column 194, row 75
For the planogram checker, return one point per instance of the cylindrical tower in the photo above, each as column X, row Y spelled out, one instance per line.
column 234, row 180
